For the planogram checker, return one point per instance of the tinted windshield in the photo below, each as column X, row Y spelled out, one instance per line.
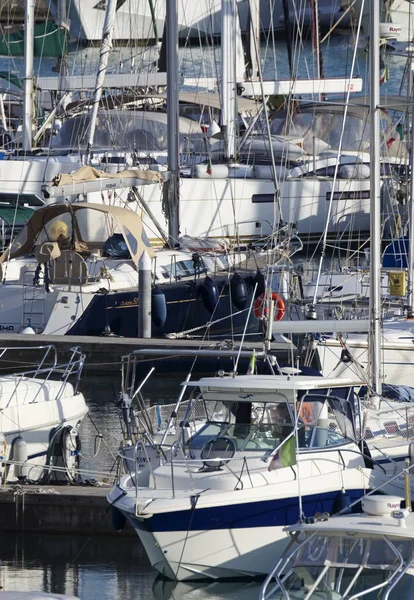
column 245, row 437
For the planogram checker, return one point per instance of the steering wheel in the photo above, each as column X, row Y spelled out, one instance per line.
column 218, row 452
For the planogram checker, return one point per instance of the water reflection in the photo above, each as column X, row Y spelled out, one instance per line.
column 108, row 568
column 163, row 589
column 105, row 568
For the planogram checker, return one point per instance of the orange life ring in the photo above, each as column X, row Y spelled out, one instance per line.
column 261, row 309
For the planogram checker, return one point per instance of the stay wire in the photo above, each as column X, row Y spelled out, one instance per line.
column 96, row 527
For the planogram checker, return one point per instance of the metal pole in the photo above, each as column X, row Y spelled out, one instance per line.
column 253, row 37
column 144, row 296
column 63, row 23
column 227, row 76
column 106, row 47
column 410, row 311
column 288, row 32
column 28, row 75
column 375, row 216
column 172, row 186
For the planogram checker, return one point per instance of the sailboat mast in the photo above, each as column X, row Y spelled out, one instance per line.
column 28, row 74
column 172, row 123
column 106, row 47
column 375, row 216
column 410, row 310
column 228, row 57
column 253, row 40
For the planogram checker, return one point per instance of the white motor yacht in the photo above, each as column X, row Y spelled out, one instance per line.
column 218, row 503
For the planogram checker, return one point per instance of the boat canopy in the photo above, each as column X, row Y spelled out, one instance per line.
column 83, row 225
column 128, row 130
column 270, row 383
column 320, row 126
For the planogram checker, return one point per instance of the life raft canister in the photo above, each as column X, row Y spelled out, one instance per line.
column 261, row 308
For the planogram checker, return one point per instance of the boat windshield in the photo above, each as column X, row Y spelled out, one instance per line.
column 339, row 566
column 127, row 130
column 266, row 436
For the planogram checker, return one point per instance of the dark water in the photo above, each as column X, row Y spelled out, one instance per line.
column 105, row 569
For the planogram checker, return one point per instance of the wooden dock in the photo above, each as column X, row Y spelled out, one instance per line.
column 57, row 509
column 105, row 353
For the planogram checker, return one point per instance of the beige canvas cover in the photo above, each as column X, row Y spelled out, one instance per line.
column 88, row 173
column 128, row 222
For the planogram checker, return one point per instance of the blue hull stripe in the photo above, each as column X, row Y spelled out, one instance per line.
column 268, row 513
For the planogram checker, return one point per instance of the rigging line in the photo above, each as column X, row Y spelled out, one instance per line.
column 97, row 526
column 276, row 220
column 193, row 499
column 245, row 327
column 335, row 25
column 337, row 164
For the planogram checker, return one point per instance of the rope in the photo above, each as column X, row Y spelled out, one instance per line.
column 194, row 500
column 175, row 336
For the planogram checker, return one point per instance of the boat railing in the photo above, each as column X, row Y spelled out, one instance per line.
column 331, row 559
column 45, row 372
column 175, row 455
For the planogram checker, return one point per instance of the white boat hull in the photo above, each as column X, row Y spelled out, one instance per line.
column 219, row 554
column 397, row 357
column 38, row 414
column 240, row 536
column 134, row 20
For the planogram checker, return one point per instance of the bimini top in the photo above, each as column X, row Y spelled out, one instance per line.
column 82, row 223
column 244, row 383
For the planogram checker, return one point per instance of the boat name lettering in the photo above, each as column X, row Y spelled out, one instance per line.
column 110, row 186
column 246, row 396
column 133, row 302
column 353, row 195
column 6, row 327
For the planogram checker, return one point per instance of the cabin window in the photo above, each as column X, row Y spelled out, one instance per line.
column 391, row 427
column 257, row 198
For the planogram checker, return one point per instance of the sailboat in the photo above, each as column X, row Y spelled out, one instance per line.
column 231, row 199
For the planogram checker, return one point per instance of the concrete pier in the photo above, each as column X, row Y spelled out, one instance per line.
column 57, row 509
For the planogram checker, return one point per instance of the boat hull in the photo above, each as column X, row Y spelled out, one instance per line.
column 233, row 541
column 36, row 423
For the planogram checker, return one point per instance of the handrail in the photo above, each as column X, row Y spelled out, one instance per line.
column 73, row 366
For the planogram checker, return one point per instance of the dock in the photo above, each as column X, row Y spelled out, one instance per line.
column 57, row 509
column 104, row 354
